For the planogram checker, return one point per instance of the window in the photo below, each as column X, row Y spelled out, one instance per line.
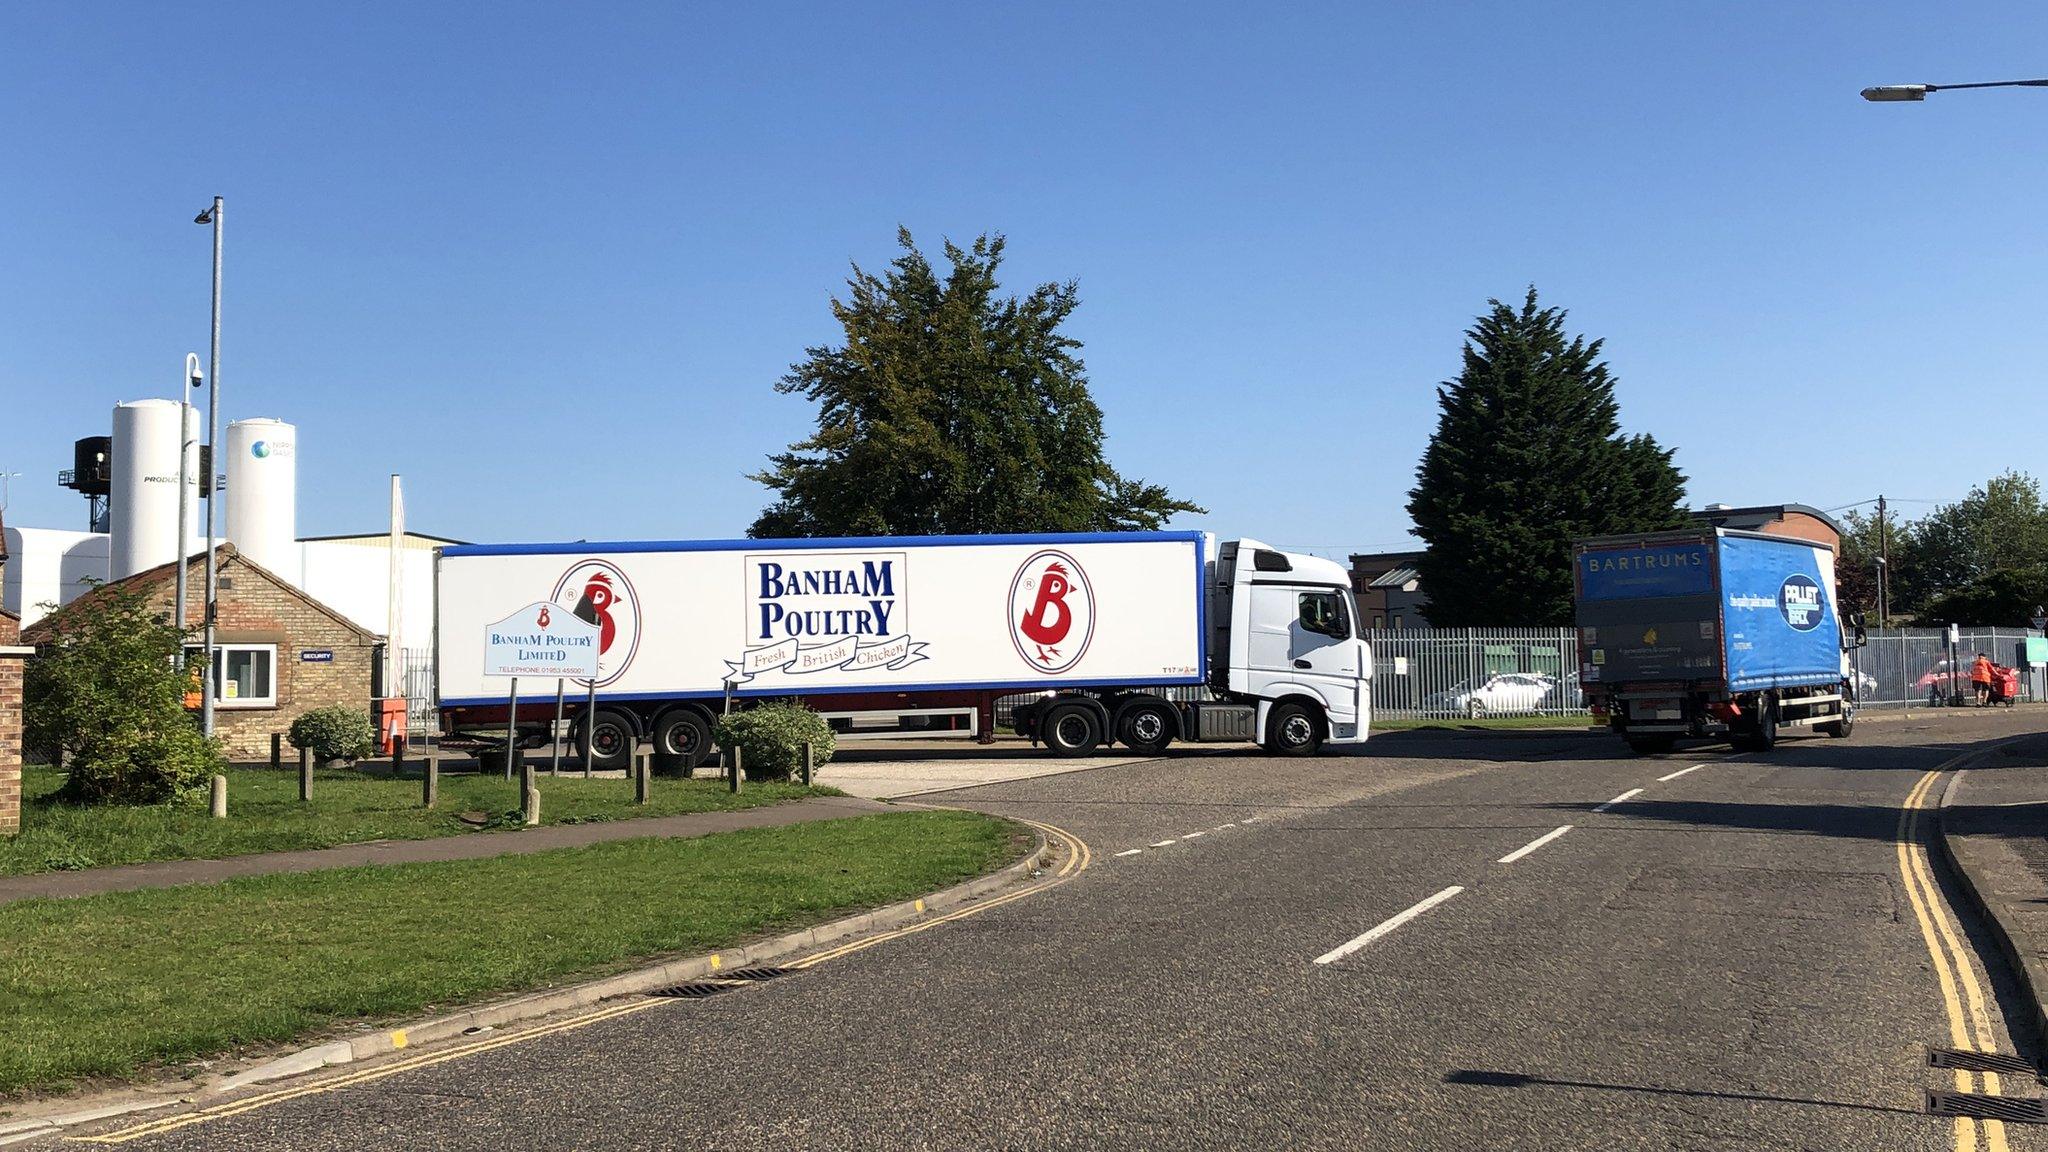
column 244, row 675
column 1323, row 613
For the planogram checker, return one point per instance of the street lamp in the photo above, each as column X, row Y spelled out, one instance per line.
column 211, row 216
column 1893, row 93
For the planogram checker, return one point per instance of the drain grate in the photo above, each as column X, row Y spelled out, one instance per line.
column 1980, row 1061
column 761, row 972
column 696, row 989
column 2014, row 1109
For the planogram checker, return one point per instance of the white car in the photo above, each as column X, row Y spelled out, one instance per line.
column 1494, row 692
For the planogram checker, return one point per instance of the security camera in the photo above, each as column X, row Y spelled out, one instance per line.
column 192, row 371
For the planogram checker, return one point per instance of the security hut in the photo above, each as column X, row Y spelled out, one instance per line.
column 279, row 652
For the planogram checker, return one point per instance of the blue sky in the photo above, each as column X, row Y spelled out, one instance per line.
column 548, row 261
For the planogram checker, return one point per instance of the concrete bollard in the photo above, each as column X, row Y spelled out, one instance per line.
column 220, row 797
column 642, row 770
column 430, row 779
column 526, row 774
column 532, row 807
column 809, row 752
column 306, row 775
column 277, row 751
column 738, row 772
column 398, row 755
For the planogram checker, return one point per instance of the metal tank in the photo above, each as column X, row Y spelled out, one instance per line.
column 263, row 489
column 143, row 503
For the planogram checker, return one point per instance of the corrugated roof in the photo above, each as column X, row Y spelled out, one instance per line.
column 1394, row 578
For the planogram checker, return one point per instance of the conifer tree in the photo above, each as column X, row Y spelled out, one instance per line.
column 1528, row 454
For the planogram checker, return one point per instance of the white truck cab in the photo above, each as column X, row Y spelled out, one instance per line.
column 1288, row 644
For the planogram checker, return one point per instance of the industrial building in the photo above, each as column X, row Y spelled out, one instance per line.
column 301, row 620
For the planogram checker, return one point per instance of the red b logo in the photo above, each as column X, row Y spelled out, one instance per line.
column 1052, row 612
column 541, row 621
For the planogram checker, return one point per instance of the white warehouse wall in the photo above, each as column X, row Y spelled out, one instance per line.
column 353, row 577
column 50, row 566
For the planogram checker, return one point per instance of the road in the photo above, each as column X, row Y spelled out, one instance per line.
column 1390, row 950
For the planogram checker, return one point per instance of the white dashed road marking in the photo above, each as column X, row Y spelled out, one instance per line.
column 1680, row 772
column 1164, row 843
column 1619, row 799
column 1533, row 845
column 1131, row 852
column 1386, row 926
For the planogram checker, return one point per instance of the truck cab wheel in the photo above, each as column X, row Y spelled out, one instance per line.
column 1145, row 727
column 1293, row 730
column 683, row 735
column 1070, row 730
column 1840, row 729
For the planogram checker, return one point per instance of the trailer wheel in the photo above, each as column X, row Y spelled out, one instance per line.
column 683, row 735
column 1070, row 730
column 1293, row 730
column 611, row 740
column 1763, row 732
column 1145, row 727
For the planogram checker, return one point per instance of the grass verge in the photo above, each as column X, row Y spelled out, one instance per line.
column 265, row 815
column 110, row 985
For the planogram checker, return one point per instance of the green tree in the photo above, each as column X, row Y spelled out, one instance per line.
column 1976, row 553
column 108, row 695
column 1528, row 454
column 949, row 408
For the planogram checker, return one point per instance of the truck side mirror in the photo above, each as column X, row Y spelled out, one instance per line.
column 1861, row 637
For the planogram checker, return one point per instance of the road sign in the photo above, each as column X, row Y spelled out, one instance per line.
column 541, row 639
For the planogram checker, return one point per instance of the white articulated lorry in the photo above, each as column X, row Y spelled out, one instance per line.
column 923, row 633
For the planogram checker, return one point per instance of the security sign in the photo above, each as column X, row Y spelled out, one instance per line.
column 542, row 639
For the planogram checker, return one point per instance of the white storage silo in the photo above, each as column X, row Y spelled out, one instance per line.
column 263, row 491
column 142, row 508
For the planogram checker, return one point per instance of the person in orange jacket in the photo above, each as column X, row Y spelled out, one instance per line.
column 1980, row 678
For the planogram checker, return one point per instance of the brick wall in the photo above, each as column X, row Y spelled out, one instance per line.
column 256, row 608
column 259, row 608
column 10, row 729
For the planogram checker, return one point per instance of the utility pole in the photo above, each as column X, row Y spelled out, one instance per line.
column 1884, row 563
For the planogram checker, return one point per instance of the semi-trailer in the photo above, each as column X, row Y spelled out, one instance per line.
column 916, row 634
column 1712, row 632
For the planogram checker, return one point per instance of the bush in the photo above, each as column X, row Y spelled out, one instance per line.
column 108, row 695
column 771, row 738
column 335, row 732
column 143, row 767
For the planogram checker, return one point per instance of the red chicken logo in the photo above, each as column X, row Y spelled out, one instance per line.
column 598, row 593
column 1052, row 612
column 595, row 608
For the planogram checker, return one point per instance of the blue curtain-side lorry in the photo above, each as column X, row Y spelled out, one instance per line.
column 1712, row 632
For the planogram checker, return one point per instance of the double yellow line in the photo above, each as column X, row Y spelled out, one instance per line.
column 1078, row 857
column 1970, row 1031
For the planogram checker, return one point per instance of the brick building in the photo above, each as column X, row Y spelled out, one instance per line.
column 280, row 652
column 11, row 654
column 10, row 721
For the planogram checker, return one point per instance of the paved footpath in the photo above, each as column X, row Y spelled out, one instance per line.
column 1995, row 822
column 1439, row 943
column 468, row 846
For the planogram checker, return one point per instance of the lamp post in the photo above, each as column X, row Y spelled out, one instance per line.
column 1894, row 93
column 211, row 216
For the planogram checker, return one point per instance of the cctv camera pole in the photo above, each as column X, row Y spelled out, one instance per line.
column 213, row 217
column 184, row 479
